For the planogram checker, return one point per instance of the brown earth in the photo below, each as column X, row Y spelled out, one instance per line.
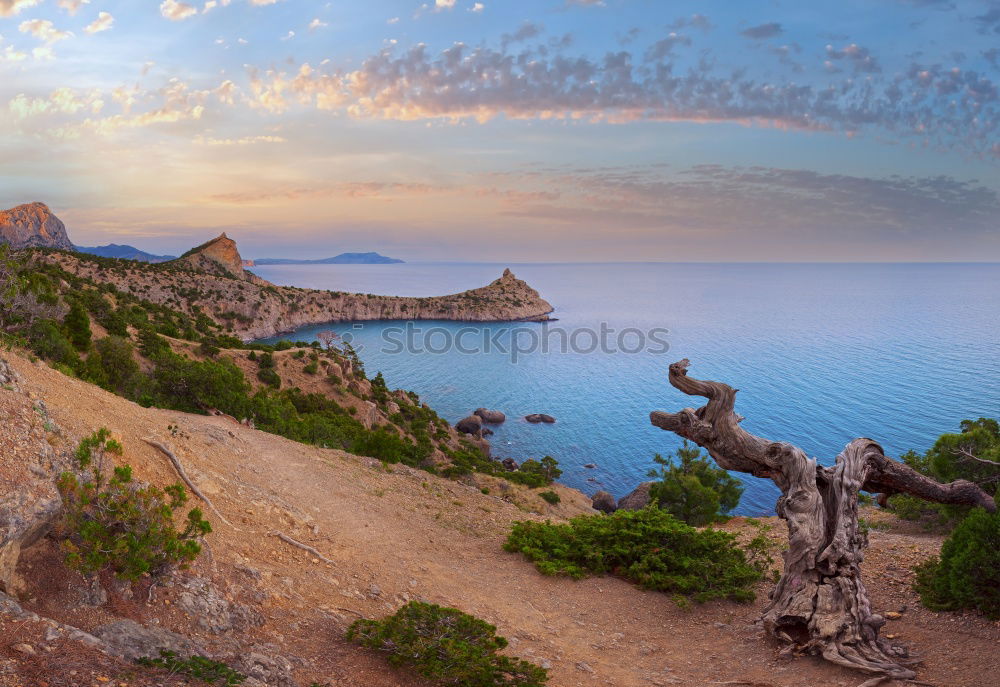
column 397, row 534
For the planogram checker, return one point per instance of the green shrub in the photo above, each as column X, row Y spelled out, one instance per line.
column 312, row 368
column 77, row 324
column 48, row 341
column 113, row 367
column 196, row 667
column 447, row 646
column 119, row 524
column 693, row 489
column 550, row 497
column 967, row 574
column 647, row 546
column 534, row 473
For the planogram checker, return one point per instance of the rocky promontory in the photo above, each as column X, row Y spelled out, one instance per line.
column 33, row 226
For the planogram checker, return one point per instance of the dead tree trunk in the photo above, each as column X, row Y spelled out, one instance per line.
column 820, row 604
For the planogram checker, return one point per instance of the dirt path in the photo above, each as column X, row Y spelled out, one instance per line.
column 404, row 534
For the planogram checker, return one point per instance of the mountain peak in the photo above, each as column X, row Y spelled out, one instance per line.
column 33, row 225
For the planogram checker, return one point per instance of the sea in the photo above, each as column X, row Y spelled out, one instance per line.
column 820, row 353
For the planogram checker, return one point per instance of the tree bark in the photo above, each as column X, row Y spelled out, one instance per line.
column 820, row 604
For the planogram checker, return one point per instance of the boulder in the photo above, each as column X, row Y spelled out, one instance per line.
column 509, row 464
column 392, row 407
column 535, row 418
column 470, row 425
column 129, row 640
column 604, row 502
column 215, row 613
column 492, row 417
column 638, row 499
column 487, row 432
column 368, row 415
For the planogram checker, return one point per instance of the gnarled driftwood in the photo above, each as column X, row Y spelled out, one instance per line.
column 820, row 603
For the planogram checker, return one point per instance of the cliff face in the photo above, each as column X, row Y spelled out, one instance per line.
column 208, row 278
column 33, row 225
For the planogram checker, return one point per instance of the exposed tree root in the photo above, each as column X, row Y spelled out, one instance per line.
column 305, row 547
column 187, row 480
column 820, row 604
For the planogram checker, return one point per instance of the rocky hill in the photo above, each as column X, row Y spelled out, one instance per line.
column 211, row 279
column 33, row 225
column 114, row 250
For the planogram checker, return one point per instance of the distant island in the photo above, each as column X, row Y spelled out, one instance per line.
column 342, row 259
column 114, row 250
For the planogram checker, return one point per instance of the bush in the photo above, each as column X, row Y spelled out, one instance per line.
column 694, row 489
column 119, row 524
column 550, row 497
column 647, row 546
column 446, row 645
column 967, row 574
column 196, row 667
column 77, row 324
column 534, row 473
column 48, row 341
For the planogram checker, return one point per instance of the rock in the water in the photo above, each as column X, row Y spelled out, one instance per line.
column 130, row 640
column 604, row 502
column 590, row 466
column 487, row 432
column 638, row 499
column 470, row 425
column 535, row 418
column 492, row 417
column 509, row 464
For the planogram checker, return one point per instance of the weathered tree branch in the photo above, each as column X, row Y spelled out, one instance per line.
column 820, row 604
column 175, row 461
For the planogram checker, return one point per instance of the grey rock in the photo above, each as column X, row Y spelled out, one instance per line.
column 604, row 502
column 263, row 668
column 638, row 499
column 492, row 417
column 129, row 640
column 509, row 464
column 214, row 611
column 535, row 418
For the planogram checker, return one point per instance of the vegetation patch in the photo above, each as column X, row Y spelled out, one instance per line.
column 649, row 547
column 447, row 646
column 195, row 667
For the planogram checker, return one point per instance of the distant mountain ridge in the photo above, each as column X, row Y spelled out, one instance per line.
column 342, row 259
column 115, row 250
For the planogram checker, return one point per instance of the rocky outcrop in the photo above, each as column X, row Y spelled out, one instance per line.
column 638, row 499
column 29, row 501
column 220, row 257
column 492, row 417
column 470, row 425
column 33, row 226
column 215, row 613
column 604, row 502
column 536, row 418
column 129, row 640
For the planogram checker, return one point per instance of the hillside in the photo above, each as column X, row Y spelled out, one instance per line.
column 211, row 279
column 391, row 535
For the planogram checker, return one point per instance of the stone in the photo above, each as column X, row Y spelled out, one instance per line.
column 129, row 640
column 368, row 415
column 604, row 502
column 492, row 417
column 470, row 425
column 214, row 612
column 392, row 407
column 638, row 499
column 264, row 669
column 25, row 649
column 590, row 466
column 535, row 418
column 509, row 464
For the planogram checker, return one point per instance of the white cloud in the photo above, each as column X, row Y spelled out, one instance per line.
column 72, row 6
column 43, row 30
column 477, row 8
column 394, row 20
column 8, row 8
column 177, row 11
column 103, row 22
column 443, row 5
column 288, row 36
column 317, row 24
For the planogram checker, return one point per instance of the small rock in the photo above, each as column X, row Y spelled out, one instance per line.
column 470, row 425
column 25, row 649
column 604, row 502
column 590, row 466
column 893, row 615
column 535, row 418
column 638, row 499
column 584, row 667
column 509, row 464
column 492, row 417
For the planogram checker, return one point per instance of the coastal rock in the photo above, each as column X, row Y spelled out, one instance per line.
column 509, row 464
column 392, row 407
column 492, row 417
column 535, row 418
column 638, row 499
column 470, row 425
column 220, row 257
column 604, row 502
column 32, row 226
column 368, row 415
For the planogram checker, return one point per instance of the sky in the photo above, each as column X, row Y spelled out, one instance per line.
column 511, row 130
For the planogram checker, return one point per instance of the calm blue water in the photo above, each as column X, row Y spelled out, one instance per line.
column 821, row 354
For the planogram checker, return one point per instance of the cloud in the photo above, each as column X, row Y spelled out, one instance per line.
column 989, row 22
column 392, row 20
column 103, row 22
column 72, row 6
column 477, row 7
column 246, row 140
column 859, row 58
column 524, row 32
column 8, row 8
column 440, row 5
column 177, row 11
column 317, row 24
column 586, row 3
column 695, row 21
column 664, row 47
column 44, row 30
column 763, row 31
